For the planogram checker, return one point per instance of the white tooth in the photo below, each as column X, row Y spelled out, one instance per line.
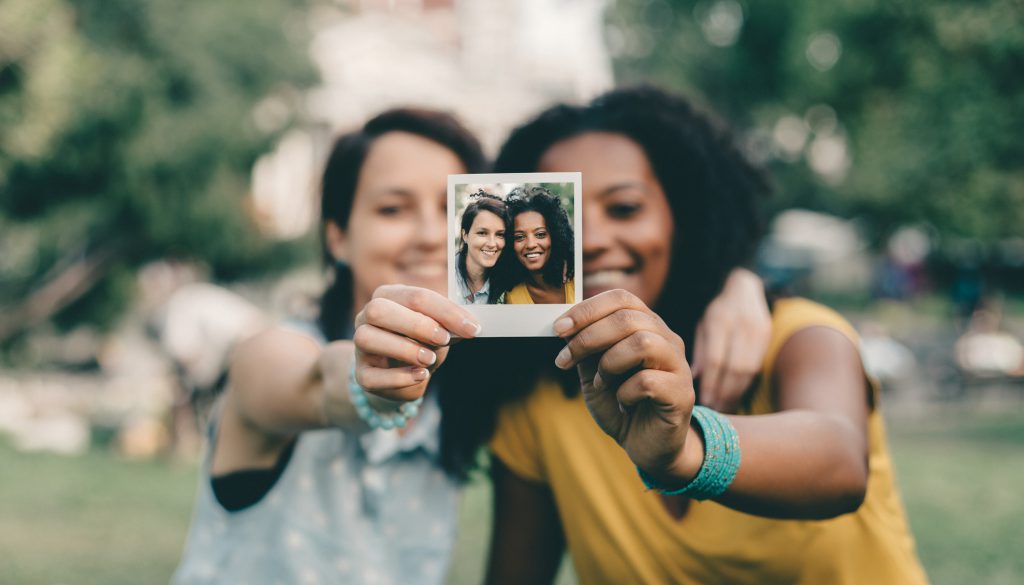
column 605, row 278
column 427, row 270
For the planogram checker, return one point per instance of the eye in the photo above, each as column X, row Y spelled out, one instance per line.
column 542, row 235
column 500, row 235
column 519, row 237
column 389, row 210
column 623, row 210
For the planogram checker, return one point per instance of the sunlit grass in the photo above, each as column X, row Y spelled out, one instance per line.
column 98, row 519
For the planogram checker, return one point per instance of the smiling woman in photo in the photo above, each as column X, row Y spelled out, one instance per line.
column 543, row 243
column 484, row 225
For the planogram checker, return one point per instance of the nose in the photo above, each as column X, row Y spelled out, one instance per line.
column 431, row 229
column 596, row 235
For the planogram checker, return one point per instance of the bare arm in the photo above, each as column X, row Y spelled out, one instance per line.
column 281, row 383
column 807, row 461
column 810, row 459
column 527, row 541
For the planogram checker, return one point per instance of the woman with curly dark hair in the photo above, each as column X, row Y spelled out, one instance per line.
column 618, row 464
column 543, row 242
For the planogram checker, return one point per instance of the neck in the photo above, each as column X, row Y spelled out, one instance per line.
column 536, row 279
column 476, row 276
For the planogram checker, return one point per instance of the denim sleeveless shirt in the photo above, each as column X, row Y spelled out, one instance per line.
column 373, row 508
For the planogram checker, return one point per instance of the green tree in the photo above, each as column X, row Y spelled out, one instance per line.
column 925, row 97
column 126, row 134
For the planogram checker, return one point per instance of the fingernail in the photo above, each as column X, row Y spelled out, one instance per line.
column 472, row 327
column 563, row 358
column 441, row 337
column 427, row 357
column 420, row 374
column 563, row 325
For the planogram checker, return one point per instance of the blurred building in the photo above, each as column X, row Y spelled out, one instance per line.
column 491, row 62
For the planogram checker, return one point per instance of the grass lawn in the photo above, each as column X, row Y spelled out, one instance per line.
column 97, row 519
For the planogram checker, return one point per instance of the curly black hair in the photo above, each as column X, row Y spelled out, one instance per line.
column 483, row 201
column 714, row 194
column 560, row 266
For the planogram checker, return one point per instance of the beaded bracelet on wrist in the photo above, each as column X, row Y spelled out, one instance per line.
column 721, row 458
column 377, row 420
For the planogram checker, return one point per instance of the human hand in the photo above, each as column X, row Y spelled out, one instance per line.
column 732, row 338
column 635, row 379
column 402, row 335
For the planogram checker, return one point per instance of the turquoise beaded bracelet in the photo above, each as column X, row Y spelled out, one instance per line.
column 375, row 419
column 721, row 458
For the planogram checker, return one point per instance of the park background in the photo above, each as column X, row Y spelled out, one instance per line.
column 158, row 174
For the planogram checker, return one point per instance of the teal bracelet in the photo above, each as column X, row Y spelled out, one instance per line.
column 721, row 458
column 375, row 419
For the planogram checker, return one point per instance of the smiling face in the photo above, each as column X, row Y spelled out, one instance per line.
column 484, row 241
column 531, row 240
column 627, row 222
column 396, row 231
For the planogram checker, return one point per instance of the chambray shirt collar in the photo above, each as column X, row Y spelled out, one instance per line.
column 480, row 297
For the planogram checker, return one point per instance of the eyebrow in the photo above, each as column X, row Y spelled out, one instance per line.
column 398, row 191
column 628, row 185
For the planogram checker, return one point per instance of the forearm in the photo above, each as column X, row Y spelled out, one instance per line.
column 283, row 384
column 795, row 464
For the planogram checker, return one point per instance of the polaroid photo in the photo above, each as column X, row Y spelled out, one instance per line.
column 515, row 250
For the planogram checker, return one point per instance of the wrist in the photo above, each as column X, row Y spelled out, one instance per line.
column 686, row 464
column 721, row 459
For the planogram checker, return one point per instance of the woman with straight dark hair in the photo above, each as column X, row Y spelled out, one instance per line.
column 307, row 479
column 483, row 234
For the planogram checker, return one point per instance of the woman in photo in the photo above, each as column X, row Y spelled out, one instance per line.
column 543, row 242
column 483, row 234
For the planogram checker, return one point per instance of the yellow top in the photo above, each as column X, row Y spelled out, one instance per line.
column 618, row 532
column 520, row 295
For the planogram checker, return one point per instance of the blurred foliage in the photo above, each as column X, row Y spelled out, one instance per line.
column 127, row 133
column 925, row 98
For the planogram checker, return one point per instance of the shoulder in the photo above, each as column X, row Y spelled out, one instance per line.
column 792, row 315
column 518, row 295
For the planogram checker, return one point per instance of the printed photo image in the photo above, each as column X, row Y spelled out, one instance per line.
column 514, row 242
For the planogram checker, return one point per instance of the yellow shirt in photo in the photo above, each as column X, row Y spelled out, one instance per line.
column 520, row 295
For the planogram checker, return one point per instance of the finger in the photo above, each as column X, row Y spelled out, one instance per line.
column 664, row 389
column 430, row 304
column 402, row 384
column 715, row 352
column 730, row 392
column 584, row 314
column 642, row 350
column 371, row 340
column 388, row 315
column 608, row 331
column 698, row 350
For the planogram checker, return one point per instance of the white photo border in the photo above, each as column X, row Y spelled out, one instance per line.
column 517, row 320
